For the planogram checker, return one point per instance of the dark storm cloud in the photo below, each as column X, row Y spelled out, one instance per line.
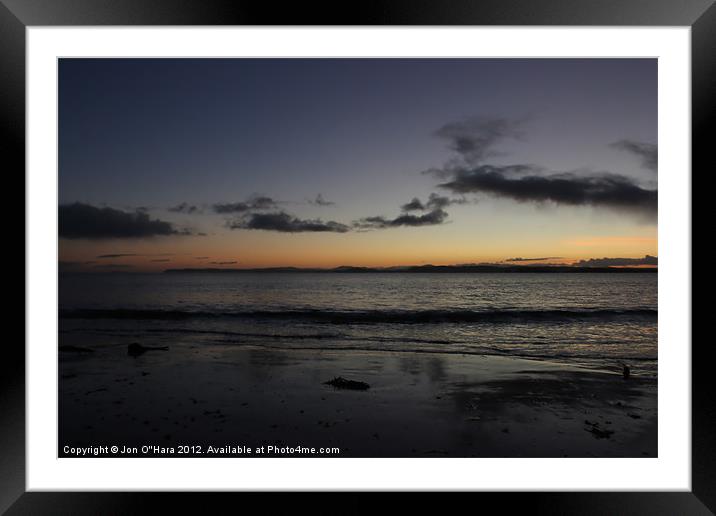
column 533, row 259
column 320, row 201
column 618, row 262
column 572, row 189
column 184, row 207
column 648, row 152
column 434, row 202
column 432, row 218
column 474, row 138
column 286, row 223
column 84, row 221
column 253, row 204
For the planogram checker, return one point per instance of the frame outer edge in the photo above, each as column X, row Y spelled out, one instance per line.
column 703, row 113
column 12, row 126
column 366, row 12
column 12, row 378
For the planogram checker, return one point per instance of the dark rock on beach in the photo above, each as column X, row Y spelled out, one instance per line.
column 135, row 349
column 341, row 383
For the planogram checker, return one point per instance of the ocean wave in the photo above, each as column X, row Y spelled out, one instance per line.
column 489, row 316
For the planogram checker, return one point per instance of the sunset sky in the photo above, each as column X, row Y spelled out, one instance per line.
column 373, row 162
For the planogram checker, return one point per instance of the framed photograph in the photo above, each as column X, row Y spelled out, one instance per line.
column 418, row 248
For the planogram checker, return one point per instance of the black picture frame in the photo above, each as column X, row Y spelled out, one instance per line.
column 17, row 15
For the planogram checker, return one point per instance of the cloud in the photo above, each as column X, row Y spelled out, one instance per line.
column 255, row 203
column 84, row 221
column 122, row 255
column 103, row 256
column 414, row 205
column 223, row 263
column 648, row 152
column 161, row 260
column 474, row 138
column 184, row 207
column 618, row 262
column 285, row 223
column 533, row 259
column 320, row 201
column 114, row 266
column 433, row 206
column 434, row 201
column 572, row 189
column 432, row 218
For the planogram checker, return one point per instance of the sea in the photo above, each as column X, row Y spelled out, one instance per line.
column 596, row 320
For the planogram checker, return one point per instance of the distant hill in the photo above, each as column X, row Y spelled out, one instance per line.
column 429, row 268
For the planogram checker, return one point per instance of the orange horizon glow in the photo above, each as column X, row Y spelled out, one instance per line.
column 449, row 244
column 154, row 260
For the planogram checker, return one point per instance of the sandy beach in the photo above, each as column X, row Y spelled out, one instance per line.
column 418, row 404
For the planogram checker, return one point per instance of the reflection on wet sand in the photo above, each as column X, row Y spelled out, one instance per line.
column 418, row 404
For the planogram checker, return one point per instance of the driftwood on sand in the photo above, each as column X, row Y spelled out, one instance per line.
column 135, row 349
column 341, row 383
column 596, row 431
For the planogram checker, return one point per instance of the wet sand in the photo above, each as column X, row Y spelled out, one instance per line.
column 418, row 404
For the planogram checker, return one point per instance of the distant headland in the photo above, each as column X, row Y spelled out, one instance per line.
column 426, row 268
